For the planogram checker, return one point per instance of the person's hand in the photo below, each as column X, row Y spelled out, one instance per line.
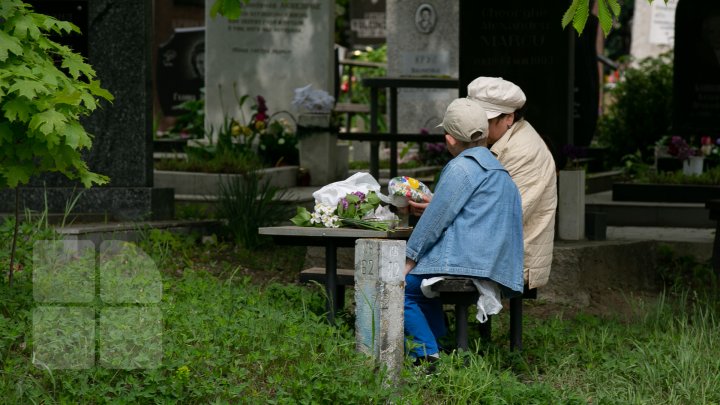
column 417, row 208
column 409, row 265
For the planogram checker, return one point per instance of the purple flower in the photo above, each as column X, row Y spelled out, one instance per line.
column 360, row 195
column 344, row 203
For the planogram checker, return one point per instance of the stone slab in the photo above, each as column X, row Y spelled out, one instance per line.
column 272, row 49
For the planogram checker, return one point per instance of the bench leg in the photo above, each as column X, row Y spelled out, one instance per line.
column 461, row 333
column 340, row 297
column 516, row 323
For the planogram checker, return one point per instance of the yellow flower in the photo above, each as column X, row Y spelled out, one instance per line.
column 413, row 182
column 235, row 130
column 259, row 125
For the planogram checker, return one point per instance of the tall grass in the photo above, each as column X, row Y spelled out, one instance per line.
column 227, row 339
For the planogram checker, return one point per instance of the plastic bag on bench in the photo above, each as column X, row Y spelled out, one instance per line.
column 489, row 296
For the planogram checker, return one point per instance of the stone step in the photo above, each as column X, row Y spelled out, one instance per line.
column 629, row 213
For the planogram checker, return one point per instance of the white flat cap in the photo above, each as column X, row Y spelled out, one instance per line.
column 496, row 95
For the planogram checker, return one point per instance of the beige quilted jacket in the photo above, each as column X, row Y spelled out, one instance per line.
column 530, row 164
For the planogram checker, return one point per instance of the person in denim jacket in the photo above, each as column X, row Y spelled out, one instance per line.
column 471, row 228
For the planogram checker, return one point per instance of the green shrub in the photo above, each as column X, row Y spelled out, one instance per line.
column 250, row 202
column 641, row 109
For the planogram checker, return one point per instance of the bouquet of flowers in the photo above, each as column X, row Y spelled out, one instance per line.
column 355, row 209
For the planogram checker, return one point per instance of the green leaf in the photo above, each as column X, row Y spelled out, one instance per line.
column 229, row 8
column 18, row 109
column 615, row 7
column 28, row 88
column 76, row 137
column 570, row 13
column 95, row 89
column 48, row 121
column 17, row 174
column 604, row 16
column 302, row 217
column 75, row 65
column 6, row 134
column 581, row 16
column 9, row 44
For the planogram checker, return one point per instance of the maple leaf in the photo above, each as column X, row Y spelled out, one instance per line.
column 48, row 121
column 75, row 65
column 18, row 109
column 76, row 137
column 28, row 88
column 9, row 44
column 16, row 174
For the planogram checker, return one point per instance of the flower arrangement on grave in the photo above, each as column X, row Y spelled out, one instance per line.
column 353, row 202
column 679, row 148
column 356, row 209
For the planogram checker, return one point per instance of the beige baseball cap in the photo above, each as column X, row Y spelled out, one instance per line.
column 465, row 118
column 496, row 95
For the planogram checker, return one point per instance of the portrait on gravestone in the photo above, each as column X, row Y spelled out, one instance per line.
column 425, row 18
column 181, row 69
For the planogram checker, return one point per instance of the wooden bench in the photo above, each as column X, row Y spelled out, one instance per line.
column 457, row 291
column 344, row 277
column 461, row 293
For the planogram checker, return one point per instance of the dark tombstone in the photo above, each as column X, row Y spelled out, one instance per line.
column 181, row 69
column 522, row 41
column 367, row 23
column 696, row 85
column 587, row 85
column 118, row 38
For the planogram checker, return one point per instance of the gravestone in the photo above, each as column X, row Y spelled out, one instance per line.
column 181, row 69
column 522, row 41
column 117, row 34
column 422, row 40
column 653, row 28
column 696, row 85
column 367, row 23
column 272, row 49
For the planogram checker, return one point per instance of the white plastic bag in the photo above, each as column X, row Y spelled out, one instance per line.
column 364, row 182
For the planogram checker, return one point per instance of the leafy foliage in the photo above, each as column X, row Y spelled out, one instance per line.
column 641, row 111
column 579, row 10
column 41, row 104
column 248, row 203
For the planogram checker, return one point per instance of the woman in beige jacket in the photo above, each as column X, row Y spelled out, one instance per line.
column 527, row 158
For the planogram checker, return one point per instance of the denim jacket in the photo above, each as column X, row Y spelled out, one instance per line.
column 473, row 225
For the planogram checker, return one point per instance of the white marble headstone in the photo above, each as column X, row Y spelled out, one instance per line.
column 422, row 40
column 272, row 49
column 653, row 29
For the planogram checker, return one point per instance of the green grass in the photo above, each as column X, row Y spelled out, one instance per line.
column 236, row 329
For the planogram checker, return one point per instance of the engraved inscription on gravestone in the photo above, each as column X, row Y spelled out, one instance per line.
column 367, row 23
column 273, row 48
column 520, row 41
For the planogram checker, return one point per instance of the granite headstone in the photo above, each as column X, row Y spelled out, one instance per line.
column 272, row 49
column 367, row 23
column 522, row 41
column 696, row 85
column 117, row 34
column 422, row 40
column 181, row 69
column 653, row 28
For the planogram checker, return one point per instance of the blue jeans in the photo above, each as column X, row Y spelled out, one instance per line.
column 424, row 318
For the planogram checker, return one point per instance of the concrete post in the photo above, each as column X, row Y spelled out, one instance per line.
column 379, row 300
column 571, row 205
